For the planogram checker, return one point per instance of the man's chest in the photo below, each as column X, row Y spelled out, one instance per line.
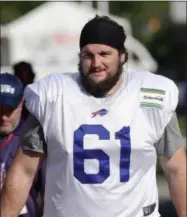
column 110, row 126
column 98, row 144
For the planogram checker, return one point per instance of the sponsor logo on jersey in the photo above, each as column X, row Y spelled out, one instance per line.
column 147, row 210
column 100, row 112
column 152, row 98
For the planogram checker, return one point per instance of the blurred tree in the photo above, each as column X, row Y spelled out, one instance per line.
column 148, row 20
column 9, row 11
column 140, row 14
column 169, row 47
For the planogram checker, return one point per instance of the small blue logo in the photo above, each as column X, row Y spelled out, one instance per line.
column 100, row 112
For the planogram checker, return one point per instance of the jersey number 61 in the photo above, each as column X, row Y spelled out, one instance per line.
column 80, row 154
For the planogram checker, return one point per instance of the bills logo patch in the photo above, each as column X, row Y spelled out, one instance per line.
column 100, row 112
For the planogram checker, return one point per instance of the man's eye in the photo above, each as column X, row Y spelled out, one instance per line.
column 104, row 54
column 86, row 55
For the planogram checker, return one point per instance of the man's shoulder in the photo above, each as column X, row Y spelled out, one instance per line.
column 162, row 80
column 52, row 83
column 54, row 78
column 153, row 85
column 152, row 80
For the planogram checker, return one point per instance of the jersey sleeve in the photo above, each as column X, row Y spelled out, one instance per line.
column 35, row 96
column 172, row 99
column 41, row 96
column 32, row 137
column 171, row 140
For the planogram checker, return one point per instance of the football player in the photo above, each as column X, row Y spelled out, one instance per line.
column 104, row 128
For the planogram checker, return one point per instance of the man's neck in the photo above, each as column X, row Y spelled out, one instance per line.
column 116, row 87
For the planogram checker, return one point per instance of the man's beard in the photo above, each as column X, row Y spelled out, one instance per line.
column 101, row 88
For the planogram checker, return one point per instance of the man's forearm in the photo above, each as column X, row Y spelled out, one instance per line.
column 177, row 186
column 14, row 194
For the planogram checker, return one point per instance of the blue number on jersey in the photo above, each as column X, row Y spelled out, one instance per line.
column 80, row 154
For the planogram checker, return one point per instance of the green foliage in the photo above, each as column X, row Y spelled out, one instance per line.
column 14, row 9
column 139, row 14
column 136, row 11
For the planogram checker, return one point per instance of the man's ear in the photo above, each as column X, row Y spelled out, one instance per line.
column 123, row 58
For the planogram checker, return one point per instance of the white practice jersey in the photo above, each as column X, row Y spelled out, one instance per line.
column 101, row 159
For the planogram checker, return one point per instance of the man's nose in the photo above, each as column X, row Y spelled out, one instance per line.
column 96, row 61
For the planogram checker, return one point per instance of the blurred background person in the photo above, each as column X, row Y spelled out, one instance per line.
column 11, row 105
column 24, row 71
